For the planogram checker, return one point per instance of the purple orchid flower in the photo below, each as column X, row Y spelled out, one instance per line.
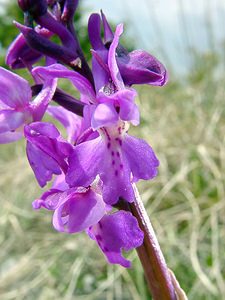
column 136, row 67
column 20, row 55
column 75, row 209
column 112, row 100
column 118, row 158
column 115, row 101
column 47, row 151
column 16, row 107
column 103, row 103
column 79, row 209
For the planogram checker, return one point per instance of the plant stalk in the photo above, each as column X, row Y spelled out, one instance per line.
column 157, row 274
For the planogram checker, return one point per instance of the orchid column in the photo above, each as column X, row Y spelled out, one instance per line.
column 94, row 171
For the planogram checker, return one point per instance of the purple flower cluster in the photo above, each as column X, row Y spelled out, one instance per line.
column 97, row 165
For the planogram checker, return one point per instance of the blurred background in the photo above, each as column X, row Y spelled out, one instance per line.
column 184, row 122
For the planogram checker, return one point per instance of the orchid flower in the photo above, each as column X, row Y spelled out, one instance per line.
column 83, row 209
column 136, row 67
column 17, row 107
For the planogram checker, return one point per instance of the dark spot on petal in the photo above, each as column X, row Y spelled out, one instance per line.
column 98, row 237
column 118, row 154
column 108, row 145
column 116, row 173
column 119, row 141
column 121, row 166
column 105, row 249
column 100, row 224
column 107, row 134
column 113, row 162
column 117, row 109
column 112, row 153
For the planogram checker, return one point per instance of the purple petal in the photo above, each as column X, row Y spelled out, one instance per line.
column 112, row 63
column 115, row 174
column 125, row 100
column 46, row 150
column 79, row 81
column 40, row 103
column 37, row 129
column 104, row 115
column 99, row 54
column 10, row 120
column 20, row 55
column 78, row 211
column 9, row 137
column 70, row 6
column 84, row 162
column 47, row 47
column 129, row 112
column 69, row 120
column 14, row 90
column 108, row 34
column 94, row 31
column 99, row 157
column 100, row 69
column 117, row 232
column 49, row 199
column 19, row 52
column 60, row 183
column 142, row 160
column 42, row 164
column 87, row 133
column 46, row 136
column 140, row 67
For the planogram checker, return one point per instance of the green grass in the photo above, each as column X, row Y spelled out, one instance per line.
column 186, row 203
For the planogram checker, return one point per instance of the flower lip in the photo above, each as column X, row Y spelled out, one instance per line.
column 116, row 232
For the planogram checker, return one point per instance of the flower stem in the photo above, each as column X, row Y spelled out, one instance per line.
column 157, row 274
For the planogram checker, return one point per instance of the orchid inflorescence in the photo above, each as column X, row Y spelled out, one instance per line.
column 96, row 167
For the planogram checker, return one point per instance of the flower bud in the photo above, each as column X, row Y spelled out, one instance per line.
column 69, row 9
column 20, row 55
column 46, row 47
column 34, row 7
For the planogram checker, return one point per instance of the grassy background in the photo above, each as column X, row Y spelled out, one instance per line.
column 184, row 122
